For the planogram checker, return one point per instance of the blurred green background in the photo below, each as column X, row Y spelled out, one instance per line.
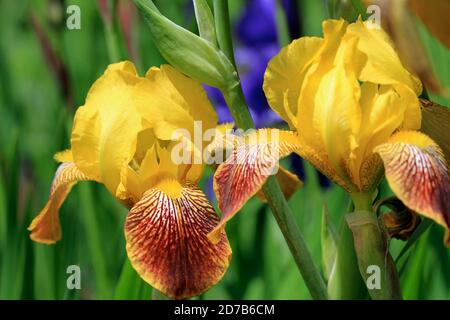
column 45, row 72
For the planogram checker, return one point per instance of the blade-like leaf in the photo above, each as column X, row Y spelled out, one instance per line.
column 205, row 21
column 329, row 243
column 423, row 226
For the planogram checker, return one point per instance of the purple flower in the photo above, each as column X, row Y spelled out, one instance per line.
column 257, row 25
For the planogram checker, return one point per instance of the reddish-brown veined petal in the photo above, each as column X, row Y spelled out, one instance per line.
column 417, row 173
column 168, row 246
column 45, row 228
column 253, row 160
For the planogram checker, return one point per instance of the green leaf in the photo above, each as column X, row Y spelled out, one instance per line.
column 94, row 240
column 423, row 226
column 284, row 37
column 345, row 281
column 205, row 21
column 130, row 286
column 329, row 243
column 192, row 55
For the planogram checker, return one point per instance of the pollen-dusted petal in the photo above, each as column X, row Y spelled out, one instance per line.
column 320, row 161
column 248, row 167
column 417, row 173
column 167, row 242
column 45, row 228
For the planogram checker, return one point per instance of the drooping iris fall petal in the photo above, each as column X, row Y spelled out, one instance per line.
column 244, row 172
column 166, row 234
column 417, row 173
column 45, row 227
column 288, row 181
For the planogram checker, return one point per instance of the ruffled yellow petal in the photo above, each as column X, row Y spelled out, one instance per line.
column 159, row 163
column 284, row 76
column 171, row 101
column 253, row 160
column 105, row 129
column 337, row 114
column 45, row 228
column 333, row 31
column 167, row 241
column 64, row 156
column 383, row 111
column 383, row 64
column 417, row 173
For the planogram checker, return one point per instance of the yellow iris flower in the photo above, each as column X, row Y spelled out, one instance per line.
column 122, row 138
column 352, row 107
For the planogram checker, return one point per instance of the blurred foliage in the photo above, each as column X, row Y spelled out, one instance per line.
column 37, row 103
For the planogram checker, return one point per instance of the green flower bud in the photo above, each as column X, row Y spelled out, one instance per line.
column 189, row 53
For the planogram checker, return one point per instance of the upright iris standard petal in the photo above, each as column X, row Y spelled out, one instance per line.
column 45, row 228
column 379, row 119
column 337, row 116
column 244, row 172
column 418, row 174
column 167, row 241
column 333, row 31
column 106, row 127
column 284, row 76
column 383, row 66
column 170, row 100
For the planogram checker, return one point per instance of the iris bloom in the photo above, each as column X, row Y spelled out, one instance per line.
column 353, row 109
column 122, row 138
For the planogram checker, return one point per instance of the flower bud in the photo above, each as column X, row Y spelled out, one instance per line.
column 189, row 53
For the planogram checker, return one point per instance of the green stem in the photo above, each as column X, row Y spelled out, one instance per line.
column 282, row 25
column 294, row 238
column 376, row 265
column 222, row 22
column 362, row 201
column 277, row 202
column 345, row 281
